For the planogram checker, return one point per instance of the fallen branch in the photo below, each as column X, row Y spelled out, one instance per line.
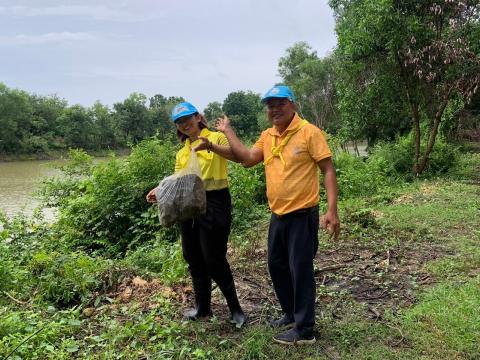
column 381, row 296
column 401, row 334
column 15, row 300
column 331, row 267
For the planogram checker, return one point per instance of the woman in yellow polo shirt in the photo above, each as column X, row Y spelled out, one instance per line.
column 204, row 238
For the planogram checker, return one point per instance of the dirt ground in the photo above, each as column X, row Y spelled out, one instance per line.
column 376, row 279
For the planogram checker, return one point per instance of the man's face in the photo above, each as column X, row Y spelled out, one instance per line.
column 280, row 111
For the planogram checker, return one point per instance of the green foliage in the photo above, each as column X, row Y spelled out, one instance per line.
column 102, row 206
column 105, row 208
column 66, row 279
column 46, row 125
column 133, row 118
column 163, row 259
column 442, row 324
column 396, row 158
column 53, row 334
column 466, row 167
column 395, row 66
column 15, row 110
column 213, row 111
column 248, row 191
column 255, row 345
column 358, row 177
column 243, row 109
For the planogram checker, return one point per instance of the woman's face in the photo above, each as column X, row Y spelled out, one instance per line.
column 189, row 125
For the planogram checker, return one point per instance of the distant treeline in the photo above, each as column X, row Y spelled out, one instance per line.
column 35, row 124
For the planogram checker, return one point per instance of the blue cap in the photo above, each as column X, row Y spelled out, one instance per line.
column 183, row 109
column 279, row 91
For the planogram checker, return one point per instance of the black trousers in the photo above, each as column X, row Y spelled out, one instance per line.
column 204, row 240
column 292, row 245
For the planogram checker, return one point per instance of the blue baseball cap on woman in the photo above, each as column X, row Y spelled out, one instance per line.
column 183, row 109
column 279, row 91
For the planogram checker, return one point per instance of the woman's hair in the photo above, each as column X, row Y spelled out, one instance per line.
column 202, row 125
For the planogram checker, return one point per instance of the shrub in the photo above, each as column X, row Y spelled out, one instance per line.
column 357, row 177
column 248, row 191
column 66, row 279
column 397, row 157
column 102, row 207
column 161, row 258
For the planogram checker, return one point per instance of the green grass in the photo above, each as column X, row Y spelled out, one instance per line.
column 441, row 208
column 446, row 322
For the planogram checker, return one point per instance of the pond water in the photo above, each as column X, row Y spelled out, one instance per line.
column 18, row 182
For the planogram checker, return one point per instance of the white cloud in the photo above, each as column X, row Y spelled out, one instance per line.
column 47, row 38
column 97, row 12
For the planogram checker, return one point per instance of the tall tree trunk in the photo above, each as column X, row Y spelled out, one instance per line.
column 355, row 147
column 418, row 136
column 433, row 133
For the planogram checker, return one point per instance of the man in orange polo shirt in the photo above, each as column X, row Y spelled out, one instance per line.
column 292, row 150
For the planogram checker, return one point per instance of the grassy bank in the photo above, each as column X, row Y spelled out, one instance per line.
column 402, row 282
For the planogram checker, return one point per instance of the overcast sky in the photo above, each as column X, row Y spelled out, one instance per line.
column 104, row 50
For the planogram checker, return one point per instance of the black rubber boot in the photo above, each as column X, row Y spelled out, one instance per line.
column 203, row 294
column 237, row 316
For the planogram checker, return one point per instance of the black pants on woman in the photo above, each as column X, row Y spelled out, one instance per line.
column 204, row 240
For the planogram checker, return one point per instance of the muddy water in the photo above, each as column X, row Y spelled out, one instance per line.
column 18, row 182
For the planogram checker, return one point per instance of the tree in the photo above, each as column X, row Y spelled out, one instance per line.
column 133, row 120
column 104, row 127
column 76, row 126
column 421, row 50
column 243, row 109
column 160, row 110
column 44, row 128
column 213, row 111
column 15, row 118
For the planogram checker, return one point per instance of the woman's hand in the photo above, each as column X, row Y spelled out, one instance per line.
column 151, row 198
column 222, row 124
column 205, row 144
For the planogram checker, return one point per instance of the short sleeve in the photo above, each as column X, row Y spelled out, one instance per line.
column 317, row 144
column 260, row 142
column 222, row 140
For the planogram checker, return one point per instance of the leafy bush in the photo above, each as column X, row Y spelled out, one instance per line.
column 66, row 279
column 20, row 238
column 162, row 258
column 397, row 157
column 357, row 177
column 102, row 206
column 248, row 191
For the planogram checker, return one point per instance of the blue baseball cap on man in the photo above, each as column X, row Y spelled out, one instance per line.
column 279, row 91
column 183, row 109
